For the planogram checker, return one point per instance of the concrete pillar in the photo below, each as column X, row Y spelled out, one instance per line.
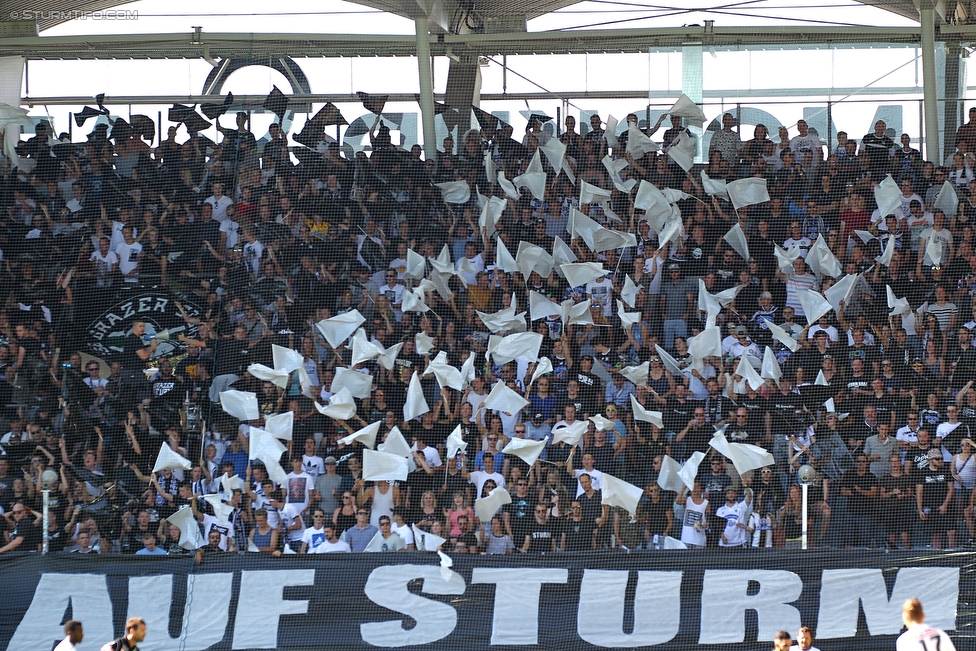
column 930, row 104
column 426, row 88
column 463, row 90
column 692, row 85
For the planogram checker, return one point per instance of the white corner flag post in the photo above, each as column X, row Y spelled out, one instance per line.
column 803, row 540
column 44, row 516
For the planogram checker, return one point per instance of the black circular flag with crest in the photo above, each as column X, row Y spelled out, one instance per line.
column 105, row 335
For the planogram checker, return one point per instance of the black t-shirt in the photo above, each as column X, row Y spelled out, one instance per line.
column 27, row 530
column 130, row 360
column 541, row 535
column 935, row 486
column 885, row 405
column 697, row 438
column 57, row 540
column 769, row 497
column 579, row 536
column 857, row 503
column 589, row 390
column 520, row 515
column 878, row 150
column 434, row 436
column 783, row 410
column 756, row 407
column 657, row 513
column 592, row 508
column 32, row 354
column 229, row 356
column 168, row 390
column 677, row 414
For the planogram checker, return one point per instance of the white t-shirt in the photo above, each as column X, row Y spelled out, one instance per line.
column 290, row 514
column 943, row 236
column 831, row 331
column 733, row 515
column 232, row 229
column 803, row 243
column 315, row 539
column 253, row 253
column 298, row 489
column 468, row 274
column 601, row 291
column 596, row 478
column 432, row 457
column 405, row 532
column 262, row 502
column 219, row 206
column 128, row 255
column 338, row 546
column 393, row 293
column 917, row 225
column 117, row 234
column 313, row 465
column 210, row 523
column 479, row 477
column 106, row 265
column 921, row 637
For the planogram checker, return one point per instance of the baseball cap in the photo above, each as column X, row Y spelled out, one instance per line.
column 673, row 267
column 935, row 453
column 538, row 416
column 329, row 460
column 741, row 330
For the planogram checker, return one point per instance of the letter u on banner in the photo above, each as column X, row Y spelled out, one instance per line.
column 204, row 619
column 657, row 608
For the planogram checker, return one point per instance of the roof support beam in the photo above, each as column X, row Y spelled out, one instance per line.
column 237, row 46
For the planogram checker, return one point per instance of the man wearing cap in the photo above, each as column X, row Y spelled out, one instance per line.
column 589, row 385
column 619, row 391
column 677, row 304
column 934, row 490
column 537, row 429
column 328, row 485
column 735, row 514
column 743, row 344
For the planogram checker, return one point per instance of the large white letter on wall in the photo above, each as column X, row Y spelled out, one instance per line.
column 725, row 600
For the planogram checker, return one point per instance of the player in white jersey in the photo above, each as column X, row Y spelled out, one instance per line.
column 920, row 636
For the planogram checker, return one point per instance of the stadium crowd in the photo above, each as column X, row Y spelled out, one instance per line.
column 256, row 249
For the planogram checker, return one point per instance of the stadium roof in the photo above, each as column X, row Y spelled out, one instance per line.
column 453, row 16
